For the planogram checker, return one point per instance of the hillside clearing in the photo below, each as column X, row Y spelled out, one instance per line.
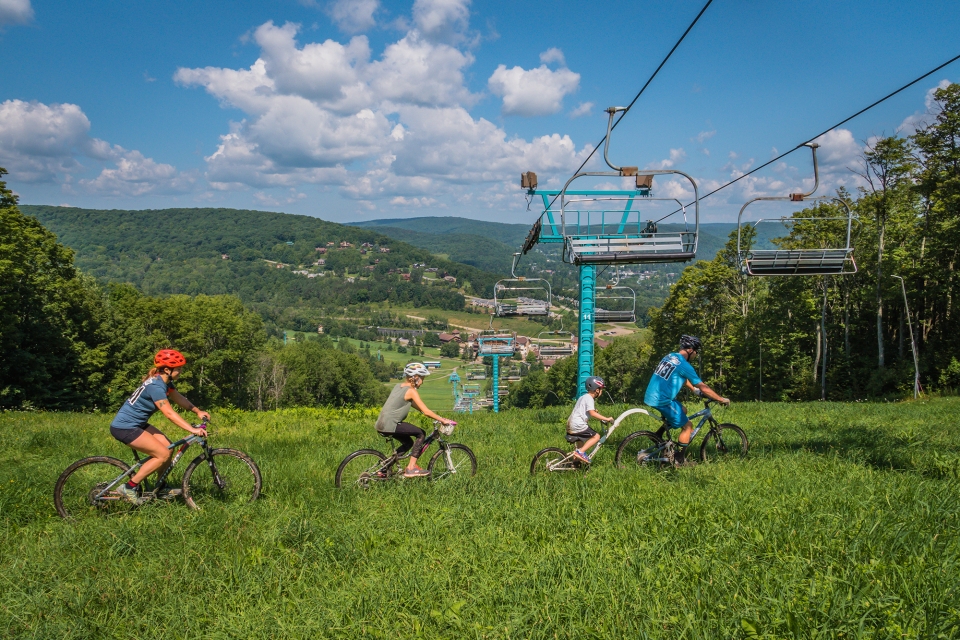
column 841, row 523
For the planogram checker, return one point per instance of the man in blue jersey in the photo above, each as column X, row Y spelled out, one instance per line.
column 673, row 374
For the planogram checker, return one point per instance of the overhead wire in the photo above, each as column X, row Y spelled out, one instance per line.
column 639, row 93
column 839, row 124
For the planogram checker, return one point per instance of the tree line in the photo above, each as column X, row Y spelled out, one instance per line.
column 766, row 337
column 69, row 343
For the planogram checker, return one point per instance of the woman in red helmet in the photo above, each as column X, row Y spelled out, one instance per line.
column 130, row 425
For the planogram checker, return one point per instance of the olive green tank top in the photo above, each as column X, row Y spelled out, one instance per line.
column 394, row 411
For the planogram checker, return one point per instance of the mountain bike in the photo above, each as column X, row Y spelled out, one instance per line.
column 216, row 476
column 555, row 459
column 364, row 468
column 658, row 450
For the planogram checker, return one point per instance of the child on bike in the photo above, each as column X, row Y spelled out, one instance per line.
column 130, row 426
column 391, row 423
column 577, row 423
column 673, row 373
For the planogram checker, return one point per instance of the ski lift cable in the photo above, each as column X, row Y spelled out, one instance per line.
column 639, row 93
column 829, row 129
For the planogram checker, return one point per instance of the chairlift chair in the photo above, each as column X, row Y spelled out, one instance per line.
column 560, row 345
column 496, row 344
column 621, row 236
column 521, row 296
column 615, row 295
column 798, row 262
column 477, row 373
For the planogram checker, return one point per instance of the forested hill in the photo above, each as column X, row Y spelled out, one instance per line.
column 252, row 254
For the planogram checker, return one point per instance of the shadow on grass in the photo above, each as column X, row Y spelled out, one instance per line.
column 877, row 448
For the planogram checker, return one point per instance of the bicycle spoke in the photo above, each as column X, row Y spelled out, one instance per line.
column 363, row 469
column 454, row 461
column 227, row 478
column 89, row 490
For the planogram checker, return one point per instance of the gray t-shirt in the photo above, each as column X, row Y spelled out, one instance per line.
column 394, row 411
column 578, row 420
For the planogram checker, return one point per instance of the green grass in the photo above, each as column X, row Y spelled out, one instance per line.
column 842, row 523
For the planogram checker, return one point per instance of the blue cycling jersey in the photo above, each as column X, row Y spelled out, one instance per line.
column 141, row 404
column 668, row 379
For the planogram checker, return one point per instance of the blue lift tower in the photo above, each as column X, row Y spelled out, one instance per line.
column 601, row 227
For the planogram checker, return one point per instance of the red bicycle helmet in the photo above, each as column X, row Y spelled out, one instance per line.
column 169, row 358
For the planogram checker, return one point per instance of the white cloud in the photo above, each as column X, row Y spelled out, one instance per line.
column 582, row 109
column 324, row 72
column 418, row 72
column 534, row 92
column 676, row 156
column 917, row 120
column 41, row 143
column 353, row 16
column 392, row 127
column 837, row 147
column 15, row 12
column 136, row 175
column 552, row 55
column 703, row 136
column 442, row 20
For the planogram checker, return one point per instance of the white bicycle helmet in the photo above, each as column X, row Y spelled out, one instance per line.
column 415, row 369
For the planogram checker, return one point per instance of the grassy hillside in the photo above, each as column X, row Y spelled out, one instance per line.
column 842, row 523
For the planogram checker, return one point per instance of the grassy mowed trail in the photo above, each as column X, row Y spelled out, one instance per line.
column 842, row 523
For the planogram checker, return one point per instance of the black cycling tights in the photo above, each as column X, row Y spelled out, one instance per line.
column 410, row 436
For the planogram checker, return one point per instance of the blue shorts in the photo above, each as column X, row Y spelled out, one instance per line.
column 674, row 415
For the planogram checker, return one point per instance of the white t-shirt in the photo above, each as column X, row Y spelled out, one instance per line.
column 577, row 421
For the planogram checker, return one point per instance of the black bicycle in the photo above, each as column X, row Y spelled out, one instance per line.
column 657, row 450
column 367, row 467
column 216, row 476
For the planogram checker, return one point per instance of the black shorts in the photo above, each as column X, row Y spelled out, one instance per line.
column 126, row 436
column 582, row 435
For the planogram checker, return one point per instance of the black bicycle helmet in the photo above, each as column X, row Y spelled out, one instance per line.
column 690, row 342
column 593, row 383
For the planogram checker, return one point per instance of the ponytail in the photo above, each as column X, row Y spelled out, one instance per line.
column 154, row 371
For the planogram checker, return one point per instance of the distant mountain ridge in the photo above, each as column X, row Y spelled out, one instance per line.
column 263, row 257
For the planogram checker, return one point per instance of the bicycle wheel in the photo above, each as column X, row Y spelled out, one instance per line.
column 642, row 449
column 76, row 494
column 461, row 463
column 725, row 441
column 546, row 459
column 358, row 470
column 224, row 477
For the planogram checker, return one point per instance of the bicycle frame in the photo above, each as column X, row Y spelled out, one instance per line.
column 705, row 415
column 183, row 445
column 386, row 465
column 570, row 463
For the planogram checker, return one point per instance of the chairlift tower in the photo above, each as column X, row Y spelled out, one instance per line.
column 613, row 234
column 496, row 345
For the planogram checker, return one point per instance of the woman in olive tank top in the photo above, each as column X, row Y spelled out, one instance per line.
column 394, row 412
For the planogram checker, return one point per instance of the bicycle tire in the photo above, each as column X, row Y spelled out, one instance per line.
column 361, row 471
column 543, row 458
column 722, row 443
column 72, row 504
column 633, row 451
column 237, row 479
column 463, row 459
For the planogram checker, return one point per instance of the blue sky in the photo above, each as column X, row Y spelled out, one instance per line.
column 363, row 109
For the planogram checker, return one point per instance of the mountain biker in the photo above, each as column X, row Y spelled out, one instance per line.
column 577, row 423
column 130, row 425
column 673, row 373
column 391, row 423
